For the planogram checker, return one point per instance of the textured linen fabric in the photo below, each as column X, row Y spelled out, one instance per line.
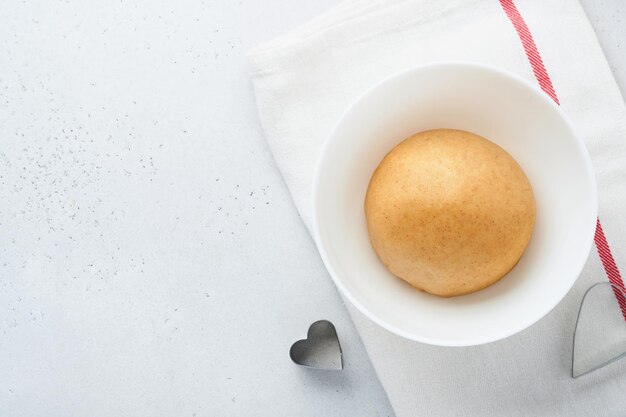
column 306, row 79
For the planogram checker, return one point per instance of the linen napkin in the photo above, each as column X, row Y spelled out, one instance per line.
column 306, row 79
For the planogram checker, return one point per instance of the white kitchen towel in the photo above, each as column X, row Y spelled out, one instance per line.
column 306, row 79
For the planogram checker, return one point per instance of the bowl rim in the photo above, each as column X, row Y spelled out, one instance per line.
column 532, row 317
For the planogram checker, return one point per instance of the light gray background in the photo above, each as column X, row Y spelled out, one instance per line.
column 151, row 261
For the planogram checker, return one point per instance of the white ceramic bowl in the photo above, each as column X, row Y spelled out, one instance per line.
column 510, row 112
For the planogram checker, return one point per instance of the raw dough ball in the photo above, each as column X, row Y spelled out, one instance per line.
column 449, row 212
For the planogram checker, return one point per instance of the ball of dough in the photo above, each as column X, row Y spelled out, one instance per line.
column 449, row 212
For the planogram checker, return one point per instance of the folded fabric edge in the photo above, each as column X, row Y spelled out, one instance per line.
column 333, row 16
column 268, row 57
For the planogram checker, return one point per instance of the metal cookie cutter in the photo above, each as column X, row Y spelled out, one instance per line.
column 320, row 349
column 610, row 318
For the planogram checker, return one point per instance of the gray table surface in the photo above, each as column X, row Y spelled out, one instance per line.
column 151, row 261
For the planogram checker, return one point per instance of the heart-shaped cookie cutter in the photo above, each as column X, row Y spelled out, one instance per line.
column 320, row 349
column 620, row 295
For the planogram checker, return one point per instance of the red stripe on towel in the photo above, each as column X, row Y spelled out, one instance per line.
column 539, row 69
column 530, row 48
column 610, row 267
